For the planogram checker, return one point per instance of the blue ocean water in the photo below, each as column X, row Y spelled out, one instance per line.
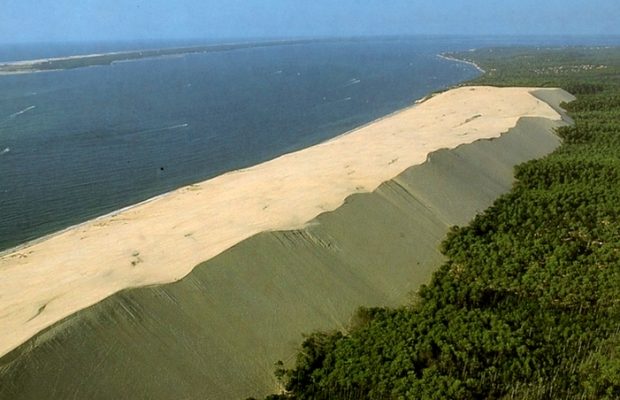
column 80, row 143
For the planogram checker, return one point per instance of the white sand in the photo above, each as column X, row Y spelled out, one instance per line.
column 163, row 239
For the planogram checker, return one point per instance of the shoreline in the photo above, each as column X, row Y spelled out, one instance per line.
column 170, row 192
column 47, row 236
column 54, row 64
column 113, row 213
column 31, row 66
column 473, row 64
column 153, row 243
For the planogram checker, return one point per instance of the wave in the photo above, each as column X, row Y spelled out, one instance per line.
column 25, row 110
column 353, row 81
column 6, row 150
column 165, row 128
column 177, row 126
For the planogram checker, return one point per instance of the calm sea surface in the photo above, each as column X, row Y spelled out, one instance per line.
column 81, row 143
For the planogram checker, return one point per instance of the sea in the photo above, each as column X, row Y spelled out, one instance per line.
column 81, row 143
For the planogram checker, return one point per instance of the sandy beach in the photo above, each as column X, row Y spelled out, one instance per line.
column 163, row 239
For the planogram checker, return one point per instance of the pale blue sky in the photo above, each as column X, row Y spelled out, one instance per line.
column 85, row 20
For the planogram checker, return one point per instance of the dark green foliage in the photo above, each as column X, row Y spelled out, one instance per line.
column 528, row 304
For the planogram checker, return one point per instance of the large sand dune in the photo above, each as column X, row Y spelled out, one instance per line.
column 164, row 239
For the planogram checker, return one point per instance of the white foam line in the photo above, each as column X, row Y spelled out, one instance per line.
column 351, row 82
column 179, row 126
column 473, row 64
column 25, row 110
column 167, row 128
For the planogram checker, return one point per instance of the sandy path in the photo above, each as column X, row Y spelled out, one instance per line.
column 161, row 240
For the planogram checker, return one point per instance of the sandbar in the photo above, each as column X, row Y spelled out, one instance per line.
column 89, row 60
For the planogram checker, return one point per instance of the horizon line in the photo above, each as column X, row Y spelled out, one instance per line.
column 314, row 37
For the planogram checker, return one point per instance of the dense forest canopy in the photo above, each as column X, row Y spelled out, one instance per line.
column 528, row 304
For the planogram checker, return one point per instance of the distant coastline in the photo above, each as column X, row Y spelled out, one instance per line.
column 89, row 60
column 445, row 56
column 100, row 59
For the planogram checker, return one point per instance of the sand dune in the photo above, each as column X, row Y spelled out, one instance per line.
column 161, row 240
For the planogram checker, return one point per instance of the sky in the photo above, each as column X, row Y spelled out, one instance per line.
column 100, row 20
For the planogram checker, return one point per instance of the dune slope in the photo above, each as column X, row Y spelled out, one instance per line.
column 217, row 332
